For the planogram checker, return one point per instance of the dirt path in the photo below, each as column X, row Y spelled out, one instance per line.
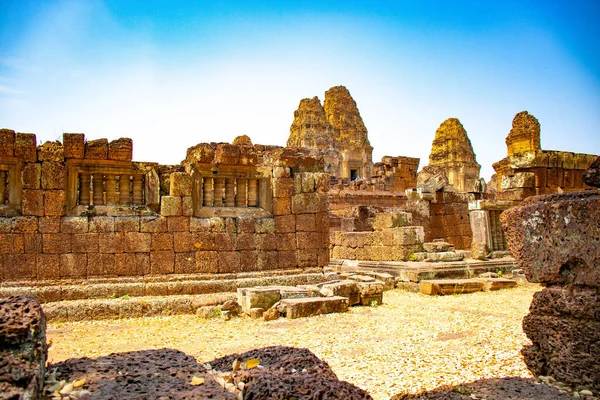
column 411, row 343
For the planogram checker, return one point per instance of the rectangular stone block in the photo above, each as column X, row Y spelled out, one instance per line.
column 311, row 306
column 153, row 224
column 74, row 144
column 178, row 224
column 56, row 243
column 305, row 223
column 85, row 243
column 170, row 206
column 283, row 187
column 48, row 266
column 308, row 257
column 33, row 202
column 248, row 260
column 267, row 260
column 225, row 242
column 312, row 240
column 32, row 243
column 227, row 154
column 187, row 206
column 266, row 241
column 322, row 222
column 96, row 149
column 497, row 283
column 73, row 265
column 111, row 243
column 127, row 224
column 286, row 241
column 24, row 224
column 345, row 288
column 288, row 259
column 229, row 261
column 180, row 184
column 282, row 206
column 19, row 266
column 7, row 142
column 120, row 149
column 100, row 264
column 257, row 297
column 31, row 175
column 285, row 224
column 103, row 224
column 74, row 225
column 125, row 265
column 53, row 175
column 137, row 242
column 207, row 262
column 54, row 203
column 49, row 225
column 25, row 147
column 162, row 262
column 185, row 263
column 450, row 286
column 264, row 225
column 161, row 241
column 306, row 203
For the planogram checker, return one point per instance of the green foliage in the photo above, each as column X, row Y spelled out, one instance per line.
column 412, row 257
column 374, row 303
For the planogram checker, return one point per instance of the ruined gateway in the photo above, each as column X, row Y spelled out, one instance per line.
column 83, row 211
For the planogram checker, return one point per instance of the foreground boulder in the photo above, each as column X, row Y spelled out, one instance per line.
column 556, row 240
column 288, row 373
column 23, row 348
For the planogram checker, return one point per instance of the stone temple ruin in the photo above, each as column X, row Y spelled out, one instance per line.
column 306, row 229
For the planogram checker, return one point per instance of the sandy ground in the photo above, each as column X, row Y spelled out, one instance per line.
column 411, row 343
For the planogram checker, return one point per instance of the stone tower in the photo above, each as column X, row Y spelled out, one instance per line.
column 334, row 131
column 452, row 150
column 525, row 134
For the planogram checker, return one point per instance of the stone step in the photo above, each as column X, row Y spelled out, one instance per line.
column 450, row 286
column 497, row 283
column 160, row 285
column 130, row 307
column 307, row 307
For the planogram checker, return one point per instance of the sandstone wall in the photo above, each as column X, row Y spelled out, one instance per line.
column 391, row 244
column 227, row 208
column 449, row 220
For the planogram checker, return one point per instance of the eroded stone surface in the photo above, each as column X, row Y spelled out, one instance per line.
column 288, row 373
column 23, row 350
column 524, row 135
column 591, row 177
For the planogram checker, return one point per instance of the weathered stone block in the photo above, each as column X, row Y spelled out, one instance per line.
column 51, row 151
column 162, row 262
column 19, row 266
column 227, row 154
column 32, row 243
column 56, row 243
column 74, row 145
column 112, row 242
column 436, row 247
column 298, row 308
column 54, row 203
column 185, row 263
column 126, row 224
column 100, row 264
column 187, row 206
column 25, row 147
column 283, row 187
column 450, row 286
column 308, row 257
column 7, row 142
column 312, row 240
column 153, row 224
column 306, row 203
column 207, row 262
column 33, row 202
column 49, row 225
column 74, row 225
column 170, row 206
column 285, row 241
column 446, row 256
column 345, row 288
column 85, row 243
column 32, row 176
column 392, row 220
column 102, row 224
column 264, row 225
column 48, row 266
column 138, row 242
column 305, row 223
column 180, row 184
column 285, row 223
column 248, row 260
column 287, row 259
column 96, row 149
column 73, row 265
column 257, row 297
column 498, row 283
column 126, row 265
column 267, row 260
column 245, row 224
column 282, row 206
column 161, row 241
column 24, row 351
column 120, row 149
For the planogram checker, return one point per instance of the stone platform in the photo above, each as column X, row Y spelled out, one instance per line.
column 111, row 298
column 414, row 271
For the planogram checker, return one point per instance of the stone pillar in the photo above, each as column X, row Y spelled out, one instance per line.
column 2, row 186
column 219, row 192
column 124, row 190
column 98, row 185
column 207, row 192
column 480, row 229
column 138, row 190
column 111, row 190
column 240, row 197
column 229, row 192
column 252, row 192
column 84, row 189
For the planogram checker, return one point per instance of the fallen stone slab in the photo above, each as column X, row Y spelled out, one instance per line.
column 450, row 286
column 371, row 292
column 497, row 283
column 346, row 288
column 308, row 307
column 257, row 297
column 446, row 256
column 288, row 373
column 361, row 278
column 436, row 247
column 23, row 349
column 292, row 292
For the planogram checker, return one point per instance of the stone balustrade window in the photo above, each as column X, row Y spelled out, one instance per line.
column 10, row 187
column 100, row 183
column 230, row 191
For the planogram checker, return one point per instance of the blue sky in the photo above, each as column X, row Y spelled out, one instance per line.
column 173, row 74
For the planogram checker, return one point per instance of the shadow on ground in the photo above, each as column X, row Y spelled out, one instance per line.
column 509, row 388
